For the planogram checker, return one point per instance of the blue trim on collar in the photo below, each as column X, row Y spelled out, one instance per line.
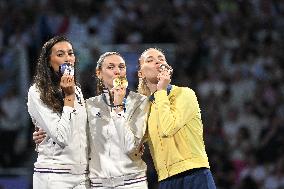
column 169, row 88
column 111, row 103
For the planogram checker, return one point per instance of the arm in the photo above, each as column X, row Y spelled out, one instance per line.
column 175, row 112
column 57, row 127
column 126, row 137
column 132, row 130
column 39, row 135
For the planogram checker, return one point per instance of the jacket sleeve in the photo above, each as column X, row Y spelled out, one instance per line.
column 57, row 127
column 175, row 111
column 131, row 129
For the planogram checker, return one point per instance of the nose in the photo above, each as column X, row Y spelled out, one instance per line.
column 158, row 63
column 68, row 58
column 116, row 71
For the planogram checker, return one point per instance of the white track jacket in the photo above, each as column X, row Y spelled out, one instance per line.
column 115, row 139
column 65, row 148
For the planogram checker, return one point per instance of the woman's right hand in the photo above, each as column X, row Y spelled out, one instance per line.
column 39, row 135
column 67, row 84
column 118, row 95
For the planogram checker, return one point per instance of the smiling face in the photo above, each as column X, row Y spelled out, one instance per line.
column 113, row 66
column 150, row 62
column 61, row 52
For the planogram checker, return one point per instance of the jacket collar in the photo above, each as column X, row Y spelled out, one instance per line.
column 169, row 88
column 133, row 102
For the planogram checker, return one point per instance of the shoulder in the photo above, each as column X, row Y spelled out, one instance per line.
column 176, row 90
column 136, row 100
column 136, row 96
column 93, row 100
column 33, row 96
column 33, row 91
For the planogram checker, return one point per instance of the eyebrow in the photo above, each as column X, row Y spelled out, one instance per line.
column 62, row 51
column 111, row 63
column 149, row 57
column 160, row 56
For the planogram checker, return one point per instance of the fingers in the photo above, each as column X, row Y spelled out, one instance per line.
column 39, row 136
column 38, row 141
column 164, row 76
column 67, row 80
column 164, row 79
column 166, row 68
column 67, row 84
column 118, row 94
column 165, row 72
column 120, row 90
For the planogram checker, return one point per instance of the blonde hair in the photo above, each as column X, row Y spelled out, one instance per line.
column 103, row 56
column 99, row 83
column 142, row 83
column 143, row 88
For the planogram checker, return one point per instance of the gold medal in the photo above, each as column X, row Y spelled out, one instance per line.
column 120, row 81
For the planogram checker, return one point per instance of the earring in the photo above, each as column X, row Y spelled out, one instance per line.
column 101, row 83
column 142, row 87
column 144, row 80
column 100, row 86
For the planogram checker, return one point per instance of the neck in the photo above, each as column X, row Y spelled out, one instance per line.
column 152, row 87
column 109, row 90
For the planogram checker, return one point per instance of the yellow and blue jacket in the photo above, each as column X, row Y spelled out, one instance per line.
column 175, row 132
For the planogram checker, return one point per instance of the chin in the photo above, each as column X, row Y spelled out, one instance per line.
column 154, row 80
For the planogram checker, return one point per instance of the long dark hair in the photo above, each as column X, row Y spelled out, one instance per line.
column 46, row 79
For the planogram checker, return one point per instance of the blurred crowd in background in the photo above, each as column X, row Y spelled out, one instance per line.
column 229, row 51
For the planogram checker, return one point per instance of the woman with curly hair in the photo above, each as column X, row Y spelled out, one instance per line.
column 56, row 106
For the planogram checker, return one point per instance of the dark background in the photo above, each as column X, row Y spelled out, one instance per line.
column 229, row 51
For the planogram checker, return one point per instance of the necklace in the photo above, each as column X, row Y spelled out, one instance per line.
column 111, row 105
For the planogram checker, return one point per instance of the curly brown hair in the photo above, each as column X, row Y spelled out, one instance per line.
column 47, row 80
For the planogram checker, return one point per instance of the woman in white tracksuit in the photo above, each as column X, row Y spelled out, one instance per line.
column 56, row 105
column 117, row 124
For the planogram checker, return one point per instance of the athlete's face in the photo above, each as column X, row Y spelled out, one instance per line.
column 150, row 63
column 61, row 52
column 113, row 66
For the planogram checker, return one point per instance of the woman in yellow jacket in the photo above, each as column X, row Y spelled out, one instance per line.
column 175, row 130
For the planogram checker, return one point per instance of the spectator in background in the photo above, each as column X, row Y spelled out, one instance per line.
column 227, row 37
column 10, row 126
